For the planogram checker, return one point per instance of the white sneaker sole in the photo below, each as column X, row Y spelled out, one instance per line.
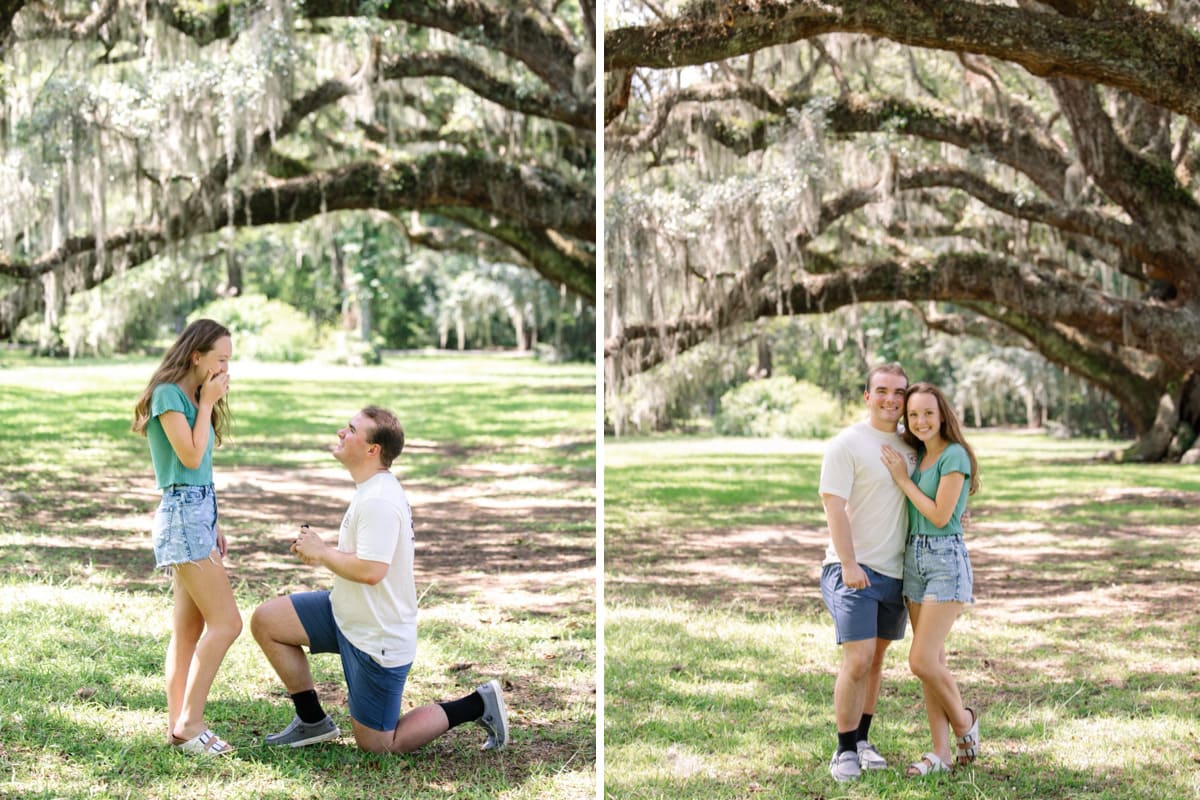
column 321, row 737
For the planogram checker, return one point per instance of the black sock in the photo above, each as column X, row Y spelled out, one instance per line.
column 847, row 742
column 864, row 727
column 465, row 709
column 308, row 707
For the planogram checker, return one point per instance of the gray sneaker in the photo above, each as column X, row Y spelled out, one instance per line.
column 495, row 715
column 844, row 766
column 869, row 758
column 298, row 734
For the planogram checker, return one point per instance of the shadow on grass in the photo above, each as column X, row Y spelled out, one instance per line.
column 516, row 556
column 82, row 702
column 1045, row 569
column 1024, row 777
column 140, row 764
column 1080, row 650
column 744, row 724
column 517, row 538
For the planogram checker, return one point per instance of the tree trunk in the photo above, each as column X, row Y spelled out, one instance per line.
column 366, row 321
column 1173, row 432
column 344, row 279
column 558, row 320
column 233, row 271
column 517, row 319
column 762, row 350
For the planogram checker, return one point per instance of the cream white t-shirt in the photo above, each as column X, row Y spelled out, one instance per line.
column 380, row 620
column 852, row 469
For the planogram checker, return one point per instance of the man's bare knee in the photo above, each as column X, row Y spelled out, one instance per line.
column 857, row 660
column 373, row 741
column 266, row 619
column 372, row 746
column 260, row 624
column 857, row 670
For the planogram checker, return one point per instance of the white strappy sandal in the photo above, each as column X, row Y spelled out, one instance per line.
column 205, row 743
column 968, row 743
column 929, row 763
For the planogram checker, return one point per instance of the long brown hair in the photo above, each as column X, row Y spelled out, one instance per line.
column 199, row 337
column 950, row 430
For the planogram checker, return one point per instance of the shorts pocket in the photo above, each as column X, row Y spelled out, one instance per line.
column 167, row 519
column 942, row 546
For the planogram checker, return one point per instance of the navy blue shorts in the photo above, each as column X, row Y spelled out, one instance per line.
column 375, row 691
column 876, row 612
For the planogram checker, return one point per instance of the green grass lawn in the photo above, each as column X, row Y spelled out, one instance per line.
column 500, row 468
column 1083, row 651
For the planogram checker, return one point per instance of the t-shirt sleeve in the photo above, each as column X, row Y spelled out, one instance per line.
column 378, row 531
column 955, row 459
column 167, row 397
column 837, row 470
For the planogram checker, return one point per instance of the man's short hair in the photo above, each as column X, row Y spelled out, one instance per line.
column 387, row 433
column 892, row 368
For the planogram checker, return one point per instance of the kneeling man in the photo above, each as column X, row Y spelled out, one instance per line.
column 369, row 617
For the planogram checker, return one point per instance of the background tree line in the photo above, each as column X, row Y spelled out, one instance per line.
column 803, row 377
column 345, row 287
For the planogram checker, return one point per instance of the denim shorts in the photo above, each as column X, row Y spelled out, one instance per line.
column 185, row 525
column 375, row 691
column 876, row 612
column 938, row 569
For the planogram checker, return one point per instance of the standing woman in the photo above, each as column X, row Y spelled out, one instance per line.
column 937, row 569
column 180, row 412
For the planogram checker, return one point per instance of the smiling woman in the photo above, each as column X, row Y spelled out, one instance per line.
column 938, row 580
column 181, row 411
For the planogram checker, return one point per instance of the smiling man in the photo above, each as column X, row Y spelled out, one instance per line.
column 863, row 571
column 369, row 617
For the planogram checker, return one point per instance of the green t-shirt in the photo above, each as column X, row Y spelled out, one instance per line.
column 953, row 459
column 168, row 469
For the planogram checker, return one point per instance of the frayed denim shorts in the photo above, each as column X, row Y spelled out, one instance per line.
column 185, row 525
column 937, row 569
